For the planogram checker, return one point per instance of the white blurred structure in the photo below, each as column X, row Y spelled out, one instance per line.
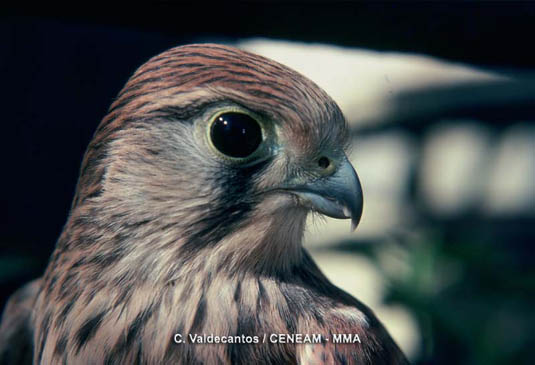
column 511, row 179
column 364, row 82
column 453, row 166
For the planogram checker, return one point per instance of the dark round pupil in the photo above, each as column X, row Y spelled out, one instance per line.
column 236, row 134
column 324, row 162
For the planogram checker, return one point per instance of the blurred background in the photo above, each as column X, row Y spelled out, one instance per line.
column 440, row 97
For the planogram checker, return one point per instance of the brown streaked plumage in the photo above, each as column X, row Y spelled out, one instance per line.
column 168, row 234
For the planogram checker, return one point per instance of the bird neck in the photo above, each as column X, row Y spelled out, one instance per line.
column 158, row 250
column 270, row 244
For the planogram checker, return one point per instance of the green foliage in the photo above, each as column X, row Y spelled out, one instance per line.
column 472, row 299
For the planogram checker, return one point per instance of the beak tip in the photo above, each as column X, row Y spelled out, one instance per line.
column 355, row 220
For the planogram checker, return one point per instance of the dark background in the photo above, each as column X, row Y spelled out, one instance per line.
column 60, row 70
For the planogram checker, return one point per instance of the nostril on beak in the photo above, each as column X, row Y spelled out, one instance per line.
column 324, row 162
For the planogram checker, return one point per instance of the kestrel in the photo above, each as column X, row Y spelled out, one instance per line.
column 188, row 221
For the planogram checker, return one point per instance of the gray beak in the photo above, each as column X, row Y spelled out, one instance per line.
column 338, row 195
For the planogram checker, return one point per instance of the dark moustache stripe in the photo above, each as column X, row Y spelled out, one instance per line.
column 226, row 213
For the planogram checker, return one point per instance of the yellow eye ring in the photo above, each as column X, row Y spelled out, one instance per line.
column 230, row 143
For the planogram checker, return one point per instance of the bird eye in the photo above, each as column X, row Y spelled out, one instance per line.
column 235, row 134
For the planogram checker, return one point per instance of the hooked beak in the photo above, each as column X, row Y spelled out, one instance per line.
column 338, row 195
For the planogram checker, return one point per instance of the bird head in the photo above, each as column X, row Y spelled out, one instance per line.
column 214, row 152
